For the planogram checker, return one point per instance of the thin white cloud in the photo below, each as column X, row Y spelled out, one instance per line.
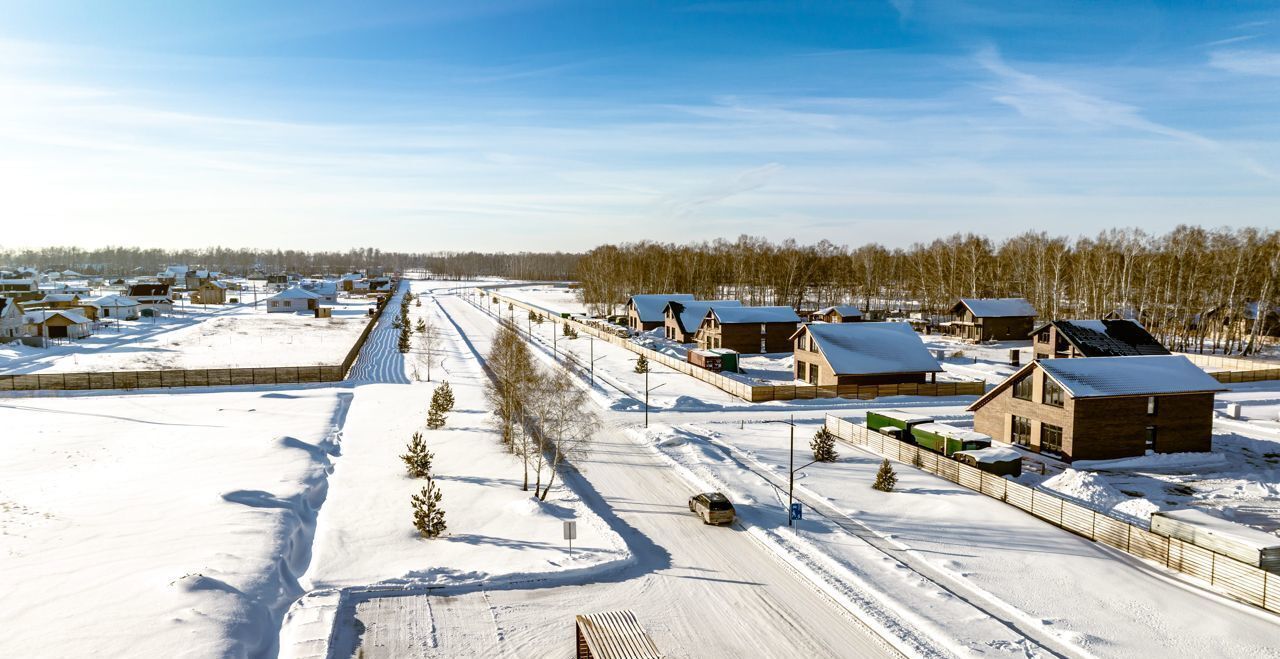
column 1042, row 99
column 1248, row 62
column 681, row 205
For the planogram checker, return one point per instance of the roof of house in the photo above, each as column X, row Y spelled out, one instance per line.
column 1107, row 338
column 871, row 348
column 148, row 290
column 650, row 307
column 322, row 287
column 736, row 315
column 4, row 304
column 43, row 315
column 15, row 282
column 294, row 293
column 998, row 307
column 689, row 314
column 214, row 284
column 846, row 310
column 60, row 297
column 113, row 301
column 1104, row 377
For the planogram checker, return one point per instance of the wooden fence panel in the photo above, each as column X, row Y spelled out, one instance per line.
column 218, row 377
column 149, row 379
column 1238, row 579
column 76, row 381
column 1018, row 495
column 1272, row 584
column 241, row 376
column 950, row 470
column 1148, row 545
column 1078, row 519
column 994, row 486
column 172, row 378
column 970, row 477
column 1047, row 507
column 102, row 381
column 1111, row 532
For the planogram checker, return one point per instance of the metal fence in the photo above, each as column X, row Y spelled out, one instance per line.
column 203, row 377
column 750, row 392
column 1235, row 369
column 1242, row 581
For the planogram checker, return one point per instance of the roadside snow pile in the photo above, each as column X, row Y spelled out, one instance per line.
column 1095, row 492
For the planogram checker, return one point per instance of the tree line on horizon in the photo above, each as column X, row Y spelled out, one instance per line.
column 1191, row 287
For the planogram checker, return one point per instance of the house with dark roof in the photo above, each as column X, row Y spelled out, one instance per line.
column 840, row 313
column 861, row 353
column 645, row 312
column 1094, row 338
column 749, row 330
column 153, row 298
column 1102, row 409
column 991, row 319
column 681, row 319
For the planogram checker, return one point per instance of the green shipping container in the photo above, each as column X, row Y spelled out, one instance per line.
column 945, row 439
column 903, row 421
column 728, row 359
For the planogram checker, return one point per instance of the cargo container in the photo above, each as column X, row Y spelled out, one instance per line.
column 704, row 359
column 998, row 460
column 945, row 439
column 895, row 423
column 1243, row 543
column 728, row 359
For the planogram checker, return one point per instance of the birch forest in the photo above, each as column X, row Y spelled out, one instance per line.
column 1193, row 288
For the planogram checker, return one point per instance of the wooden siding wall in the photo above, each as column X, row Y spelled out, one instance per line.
column 1242, row 581
column 203, row 377
column 747, row 392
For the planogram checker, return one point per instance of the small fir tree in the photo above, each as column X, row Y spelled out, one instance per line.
column 421, row 327
column 565, row 330
column 404, row 344
column 642, row 364
column 445, row 393
column 428, row 514
column 417, row 302
column 824, row 446
column 533, row 316
column 885, row 478
column 435, row 417
column 417, row 458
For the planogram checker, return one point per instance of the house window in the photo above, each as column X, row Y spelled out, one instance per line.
column 1151, row 438
column 812, row 347
column 1022, row 388
column 763, row 345
column 1050, row 438
column 1052, row 393
column 1020, row 431
column 1152, row 405
column 800, row 370
column 275, row 304
column 813, row 374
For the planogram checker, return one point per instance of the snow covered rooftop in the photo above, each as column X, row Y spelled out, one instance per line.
column 650, row 307
column 998, row 307
column 735, row 315
column 868, row 348
column 1144, row 375
column 952, row 432
column 1224, row 528
column 905, row 417
column 846, row 310
column 690, row 314
column 294, row 293
column 993, row 454
column 45, row 314
column 59, row 297
column 113, row 301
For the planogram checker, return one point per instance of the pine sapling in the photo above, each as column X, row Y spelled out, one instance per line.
column 885, row 478
column 421, row 327
column 445, row 393
column 824, row 446
column 417, row 458
column 404, row 343
column 428, row 514
column 435, row 415
column 642, row 364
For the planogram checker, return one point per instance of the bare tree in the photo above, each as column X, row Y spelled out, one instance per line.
column 567, row 424
column 430, row 337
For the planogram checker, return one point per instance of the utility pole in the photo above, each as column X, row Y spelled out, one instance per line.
column 646, row 397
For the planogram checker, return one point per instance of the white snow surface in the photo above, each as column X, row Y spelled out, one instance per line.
column 1129, row 376
column 870, row 348
column 999, row 307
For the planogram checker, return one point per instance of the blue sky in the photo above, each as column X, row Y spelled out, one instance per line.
column 562, row 125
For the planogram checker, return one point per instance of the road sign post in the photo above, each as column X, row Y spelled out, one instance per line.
column 570, row 534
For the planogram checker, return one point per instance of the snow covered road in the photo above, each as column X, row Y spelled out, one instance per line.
column 699, row 590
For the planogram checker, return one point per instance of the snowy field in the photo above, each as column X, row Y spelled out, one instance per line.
column 558, row 298
column 194, row 336
column 158, row 525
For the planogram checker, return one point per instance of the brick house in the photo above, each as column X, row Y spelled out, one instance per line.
column 1094, row 338
column 645, row 312
column 992, row 319
column 841, row 313
column 749, row 330
column 681, row 319
column 1102, row 408
column 861, row 353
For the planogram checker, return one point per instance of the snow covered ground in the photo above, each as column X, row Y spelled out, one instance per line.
column 557, row 297
column 158, row 525
column 223, row 336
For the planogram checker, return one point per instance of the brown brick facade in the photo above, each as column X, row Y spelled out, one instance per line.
column 746, row 337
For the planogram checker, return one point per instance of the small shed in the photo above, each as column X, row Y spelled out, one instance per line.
column 1243, row 543
column 728, row 359
column 704, row 359
column 59, row 324
column 210, row 292
column 612, row 635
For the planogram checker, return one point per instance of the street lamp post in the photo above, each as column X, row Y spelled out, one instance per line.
column 791, row 474
column 646, row 396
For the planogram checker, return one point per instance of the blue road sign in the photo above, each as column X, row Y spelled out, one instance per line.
column 796, row 511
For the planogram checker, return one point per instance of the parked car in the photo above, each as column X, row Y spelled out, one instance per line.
column 712, row 507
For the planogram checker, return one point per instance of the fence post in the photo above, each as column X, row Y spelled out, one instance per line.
column 1213, row 568
column 1128, row 539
